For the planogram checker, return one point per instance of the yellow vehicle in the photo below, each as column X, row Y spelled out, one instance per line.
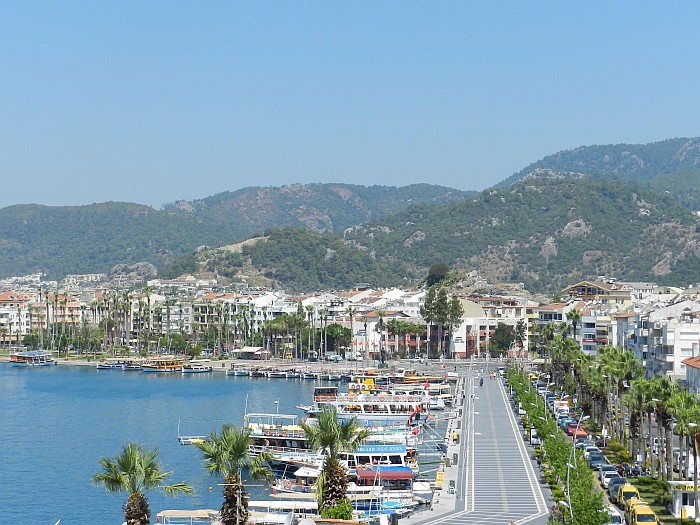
column 642, row 515
column 626, row 492
column 631, row 504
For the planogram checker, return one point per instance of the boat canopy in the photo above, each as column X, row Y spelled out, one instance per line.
column 307, row 472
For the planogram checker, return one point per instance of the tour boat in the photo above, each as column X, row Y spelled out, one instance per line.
column 369, row 407
column 163, row 364
column 32, row 358
column 279, row 434
column 373, row 489
column 197, row 366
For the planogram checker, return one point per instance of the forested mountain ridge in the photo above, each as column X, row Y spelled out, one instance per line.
column 546, row 233
column 61, row 240
column 317, row 207
column 671, row 165
column 553, row 226
column 58, row 240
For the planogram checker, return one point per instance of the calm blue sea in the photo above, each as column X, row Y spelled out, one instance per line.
column 56, row 422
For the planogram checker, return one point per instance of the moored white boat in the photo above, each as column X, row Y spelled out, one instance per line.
column 110, row 363
column 277, row 511
column 188, row 517
column 197, row 366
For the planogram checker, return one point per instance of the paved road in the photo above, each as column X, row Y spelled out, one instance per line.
column 496, row 481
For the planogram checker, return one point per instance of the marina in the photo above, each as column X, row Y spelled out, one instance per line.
column 165, row 411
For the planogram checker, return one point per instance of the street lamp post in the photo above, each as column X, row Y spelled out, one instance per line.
column 565, row 504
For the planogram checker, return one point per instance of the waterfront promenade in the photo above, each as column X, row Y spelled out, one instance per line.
column 495, row 480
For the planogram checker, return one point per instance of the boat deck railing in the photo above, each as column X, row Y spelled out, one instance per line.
column 257, row 449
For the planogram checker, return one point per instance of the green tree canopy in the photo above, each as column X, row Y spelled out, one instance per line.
column 135, row 471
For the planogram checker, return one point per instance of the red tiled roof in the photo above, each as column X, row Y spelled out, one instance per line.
column 693, row 362
column 557, row 306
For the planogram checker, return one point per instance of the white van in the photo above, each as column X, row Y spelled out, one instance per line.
column 614, row 516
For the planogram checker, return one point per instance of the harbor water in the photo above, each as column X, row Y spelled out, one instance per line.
column 58, row 421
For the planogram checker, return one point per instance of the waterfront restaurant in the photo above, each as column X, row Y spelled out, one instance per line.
column 251, row 352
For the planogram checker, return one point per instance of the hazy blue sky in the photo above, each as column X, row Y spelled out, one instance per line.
column 152, row 102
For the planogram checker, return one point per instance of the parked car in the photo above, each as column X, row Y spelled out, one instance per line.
column 631, row 504
column 595, row 461
column 626, row 492
column 604, row 469
column 642, row 515
column 608, row 477
column 614, row 485
column 573, row 427
column 615, row 517
column 590, row 449
column 583, row 443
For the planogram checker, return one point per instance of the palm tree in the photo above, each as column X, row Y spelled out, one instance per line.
column 380, row 326
column 620, row 366
column 228, row 454
column 682, row 406
column 135, row 471
column 331, row 437
column 427, row 312
column 636, row 399
column 574, row 317
column 311, row 317
column 353, row 344
column 693, row 423
column 365, row 350
column 663, row 389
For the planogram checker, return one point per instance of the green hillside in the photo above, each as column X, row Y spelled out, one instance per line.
column 670, row 165
column 300, row 260
column 59, row 240
column 546, row 233
column 317, row 207
column 65, row 240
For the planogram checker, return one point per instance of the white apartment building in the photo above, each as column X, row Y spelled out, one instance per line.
column 669, row 335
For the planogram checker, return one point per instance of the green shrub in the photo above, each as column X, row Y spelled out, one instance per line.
column 342, row 511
